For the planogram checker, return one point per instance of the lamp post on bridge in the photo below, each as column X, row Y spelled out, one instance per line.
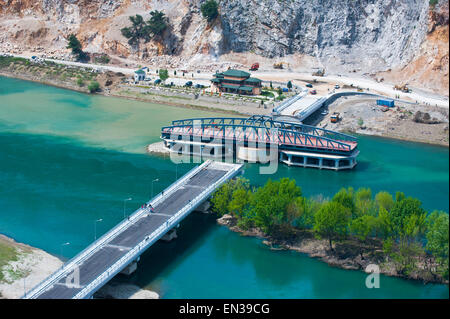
column 124, row 202
column 95, row 227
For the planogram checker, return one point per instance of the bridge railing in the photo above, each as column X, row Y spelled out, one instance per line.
column 263, row 121
column 158, row 233
column 275, row 135
column 88, row 251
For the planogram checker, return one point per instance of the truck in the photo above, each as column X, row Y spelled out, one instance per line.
column 335, row 117
column 255, row 67
column 384, row 102
column 403, row 88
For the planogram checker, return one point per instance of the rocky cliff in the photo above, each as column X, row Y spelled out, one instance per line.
column 407, row 40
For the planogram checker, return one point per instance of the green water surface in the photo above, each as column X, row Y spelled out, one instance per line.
column 68, row 159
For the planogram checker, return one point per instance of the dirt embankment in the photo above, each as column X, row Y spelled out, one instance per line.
column 413, row 122
column 348, row 254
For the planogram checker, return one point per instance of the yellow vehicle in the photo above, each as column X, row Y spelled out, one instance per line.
column 335, row 117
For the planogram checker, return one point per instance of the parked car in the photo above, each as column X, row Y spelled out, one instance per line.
column 157, row 81
column 337, row 86
column 188, row 84
column 199, row 86
column 309, row 85
column 313, row 92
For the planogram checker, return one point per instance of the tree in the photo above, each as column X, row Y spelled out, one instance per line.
column 363, row 202
column 221, row 198
column 385, row 200
column 360, row 122
column 93, row 86
column 270, row 204
column 437, row 240
column 289, row 85
column 157, row 23
column 384, row 223
column 362, row 227
column 80, row 81
column 163, row 74
column 210, row 10
column 240, row 200
column 401, row 213
column 76, row 47
column 345, row 198
column 331, row 221
column 138, row 30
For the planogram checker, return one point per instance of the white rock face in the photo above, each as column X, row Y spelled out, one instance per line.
column 346, row 32
column 365, row 36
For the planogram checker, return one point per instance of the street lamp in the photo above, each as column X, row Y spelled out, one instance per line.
column 155, row 180
column 95, row 227
column 124, row 202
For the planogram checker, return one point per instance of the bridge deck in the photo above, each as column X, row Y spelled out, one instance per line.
column 140, row 225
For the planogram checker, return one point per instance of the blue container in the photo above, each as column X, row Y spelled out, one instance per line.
column 389, row 103
column 285, row 90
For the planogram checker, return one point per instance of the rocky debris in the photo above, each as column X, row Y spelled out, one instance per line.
column 424, row 117
column 157, row 148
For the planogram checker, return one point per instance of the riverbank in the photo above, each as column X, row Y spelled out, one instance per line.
column 406, row 121
column 348, row 254
column 22, row 267
column 397, row 123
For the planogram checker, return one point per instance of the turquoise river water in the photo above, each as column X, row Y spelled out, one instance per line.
column 68, row 159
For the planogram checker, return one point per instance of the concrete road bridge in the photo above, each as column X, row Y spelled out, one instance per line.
column 119, row 249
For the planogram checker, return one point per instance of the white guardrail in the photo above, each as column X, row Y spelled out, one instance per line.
column 158, row 233
column 88, row 251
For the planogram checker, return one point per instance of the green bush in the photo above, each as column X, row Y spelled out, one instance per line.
column 103, row 59
column 93, row 86
column 80, row 81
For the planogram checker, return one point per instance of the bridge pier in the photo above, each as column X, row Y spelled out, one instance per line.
column 203, row 208
column 131, row 268
column 170, row 235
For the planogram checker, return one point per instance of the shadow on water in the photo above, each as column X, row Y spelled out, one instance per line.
column 163, row 257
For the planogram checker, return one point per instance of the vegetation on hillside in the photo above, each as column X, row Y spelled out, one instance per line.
column 76, row 47
column 210, row 10
column 411, row 239
column 145, row 30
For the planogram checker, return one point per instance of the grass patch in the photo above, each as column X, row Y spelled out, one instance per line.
column 7, row 254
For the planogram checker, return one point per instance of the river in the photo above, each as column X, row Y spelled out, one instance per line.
column 68, row 159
